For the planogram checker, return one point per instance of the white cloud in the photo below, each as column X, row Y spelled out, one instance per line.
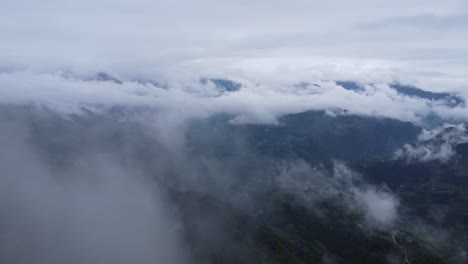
column 435, row 144
column 95, row 211
column 186, row 97
column 378, row 206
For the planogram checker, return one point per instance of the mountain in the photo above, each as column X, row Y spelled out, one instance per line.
column 104, row 77
column 289, row 234
column 312, row 189
column 408, row 90
column 223, row 84
column 313, row 136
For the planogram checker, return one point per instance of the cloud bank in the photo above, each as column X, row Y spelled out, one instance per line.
column 253, row 102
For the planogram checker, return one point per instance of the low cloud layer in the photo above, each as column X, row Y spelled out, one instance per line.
column 437, row 144
column 254, row 102
column 93, row 211
column 85, row 171
column 378, row 207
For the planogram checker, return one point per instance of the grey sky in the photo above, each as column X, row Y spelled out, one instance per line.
column 399, row 34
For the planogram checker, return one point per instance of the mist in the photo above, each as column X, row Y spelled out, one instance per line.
column 118, row 179
column 92, row 210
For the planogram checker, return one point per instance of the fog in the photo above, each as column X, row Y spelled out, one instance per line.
column 100, row 171
column 95, row 188
column 254, row 102
column 436, row 144
column 91, row 211
column 377, row 206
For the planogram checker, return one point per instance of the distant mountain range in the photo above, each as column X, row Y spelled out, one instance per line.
column 449, row 98
column 227, row 85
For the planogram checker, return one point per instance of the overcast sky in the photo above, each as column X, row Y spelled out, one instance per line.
column 404, row 39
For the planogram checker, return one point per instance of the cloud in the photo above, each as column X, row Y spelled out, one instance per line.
column 95, row 170
column 185, row 97
column 94, row 211
column 428, row 21
column 380, row 207
column 377, row 206
column 437, row 144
